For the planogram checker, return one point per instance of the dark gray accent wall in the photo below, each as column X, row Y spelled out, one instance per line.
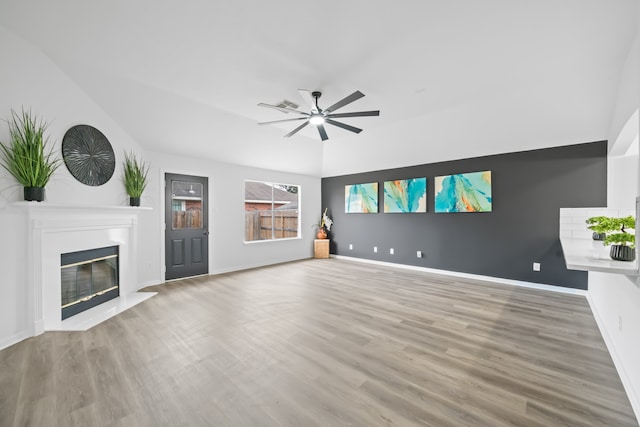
column 528, row 189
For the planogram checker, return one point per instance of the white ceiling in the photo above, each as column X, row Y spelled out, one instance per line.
column 452, row 79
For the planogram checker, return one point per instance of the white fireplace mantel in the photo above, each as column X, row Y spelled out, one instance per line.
column 57, row 229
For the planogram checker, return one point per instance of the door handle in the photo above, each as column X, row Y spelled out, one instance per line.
column 206, row 233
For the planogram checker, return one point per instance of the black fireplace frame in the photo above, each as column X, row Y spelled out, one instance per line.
column 70, row 258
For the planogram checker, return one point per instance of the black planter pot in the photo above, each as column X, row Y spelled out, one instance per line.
column 622, row 253
column 134, row 201
column 34, row 194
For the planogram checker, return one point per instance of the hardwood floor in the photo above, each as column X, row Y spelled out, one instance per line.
column 323, row 343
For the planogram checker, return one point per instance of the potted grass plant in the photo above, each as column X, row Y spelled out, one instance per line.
column 615, row 232
column 135, row 177
column 28, row 156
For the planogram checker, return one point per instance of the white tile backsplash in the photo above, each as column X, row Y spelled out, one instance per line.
column 573, row 220
column 565, row 233
column 601, row 212
column 573, row 211
column 580, row 226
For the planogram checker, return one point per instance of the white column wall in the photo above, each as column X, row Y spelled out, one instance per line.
column 614, row 298
column 29, row 79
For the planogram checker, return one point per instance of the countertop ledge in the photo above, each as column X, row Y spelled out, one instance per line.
column 592, row 255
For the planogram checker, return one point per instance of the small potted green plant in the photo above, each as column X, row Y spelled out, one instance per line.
column 28, row 156
column 616, row 233
column 135, row 178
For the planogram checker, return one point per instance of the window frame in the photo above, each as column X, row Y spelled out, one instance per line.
column 272, row 210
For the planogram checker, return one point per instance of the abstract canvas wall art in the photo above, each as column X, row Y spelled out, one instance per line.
column 465, row 192
column 361, row 198
column 405, row 195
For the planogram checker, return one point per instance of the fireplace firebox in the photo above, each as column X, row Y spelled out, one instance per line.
column 88, row 278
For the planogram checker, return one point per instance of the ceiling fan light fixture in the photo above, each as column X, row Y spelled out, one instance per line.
column 316, row 119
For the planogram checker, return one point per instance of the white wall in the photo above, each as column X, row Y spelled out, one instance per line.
column 615, row 299
column 622, row 181
column 227, row 250
column 29, row 78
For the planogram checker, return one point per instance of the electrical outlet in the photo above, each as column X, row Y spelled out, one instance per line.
column 391, row 251
column 419, row 254
column 536, row 266
column 375, row 249
column 350, row 246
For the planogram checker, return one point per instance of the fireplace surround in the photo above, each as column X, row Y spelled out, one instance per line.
column 54, row 230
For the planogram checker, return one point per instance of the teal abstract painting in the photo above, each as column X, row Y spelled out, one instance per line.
column 361, row 198
column 465, row 192
column 405, row 195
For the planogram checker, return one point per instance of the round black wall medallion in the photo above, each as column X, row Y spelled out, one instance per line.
column 88, row 155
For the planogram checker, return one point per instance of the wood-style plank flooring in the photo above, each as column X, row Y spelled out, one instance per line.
column 323, row 343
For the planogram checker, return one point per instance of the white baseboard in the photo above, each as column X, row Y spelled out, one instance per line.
column 14, row 339
column 243, row 267
column 149, row 283
column 520, row 283
column 627, row 382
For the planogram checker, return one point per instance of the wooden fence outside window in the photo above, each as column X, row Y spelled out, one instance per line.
column 270, row 224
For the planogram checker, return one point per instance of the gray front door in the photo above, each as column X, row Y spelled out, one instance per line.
column 186, row 225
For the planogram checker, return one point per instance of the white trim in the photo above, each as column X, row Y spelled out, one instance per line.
column 239, row 268
column 149, row 283
column 627, row 382
column 269, row 202
column 520, row 283
column 15, row 338
column 252, row 242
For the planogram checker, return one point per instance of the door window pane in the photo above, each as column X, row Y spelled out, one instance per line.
column 186, row 205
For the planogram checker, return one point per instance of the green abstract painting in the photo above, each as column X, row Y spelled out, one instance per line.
column 465, row 192
column 405, row 195
column 361, row 198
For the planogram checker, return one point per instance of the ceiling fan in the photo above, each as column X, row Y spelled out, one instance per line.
column 318, row 116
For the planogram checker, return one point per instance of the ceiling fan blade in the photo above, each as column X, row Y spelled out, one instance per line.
column 293, row 132
column 308, row 98
column 323, row 133
column 344, row 101
column 355, row 114
column 285, row 120
column 344, row 126
column 283, row 109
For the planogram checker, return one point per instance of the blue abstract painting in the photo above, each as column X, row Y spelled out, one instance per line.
column 465, row 192
column 405, row 195
column 361, row 198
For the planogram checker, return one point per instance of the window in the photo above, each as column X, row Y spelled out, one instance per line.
column 186, row 205
column 271, row 211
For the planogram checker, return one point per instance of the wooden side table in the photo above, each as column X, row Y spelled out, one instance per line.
column 321, row 248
